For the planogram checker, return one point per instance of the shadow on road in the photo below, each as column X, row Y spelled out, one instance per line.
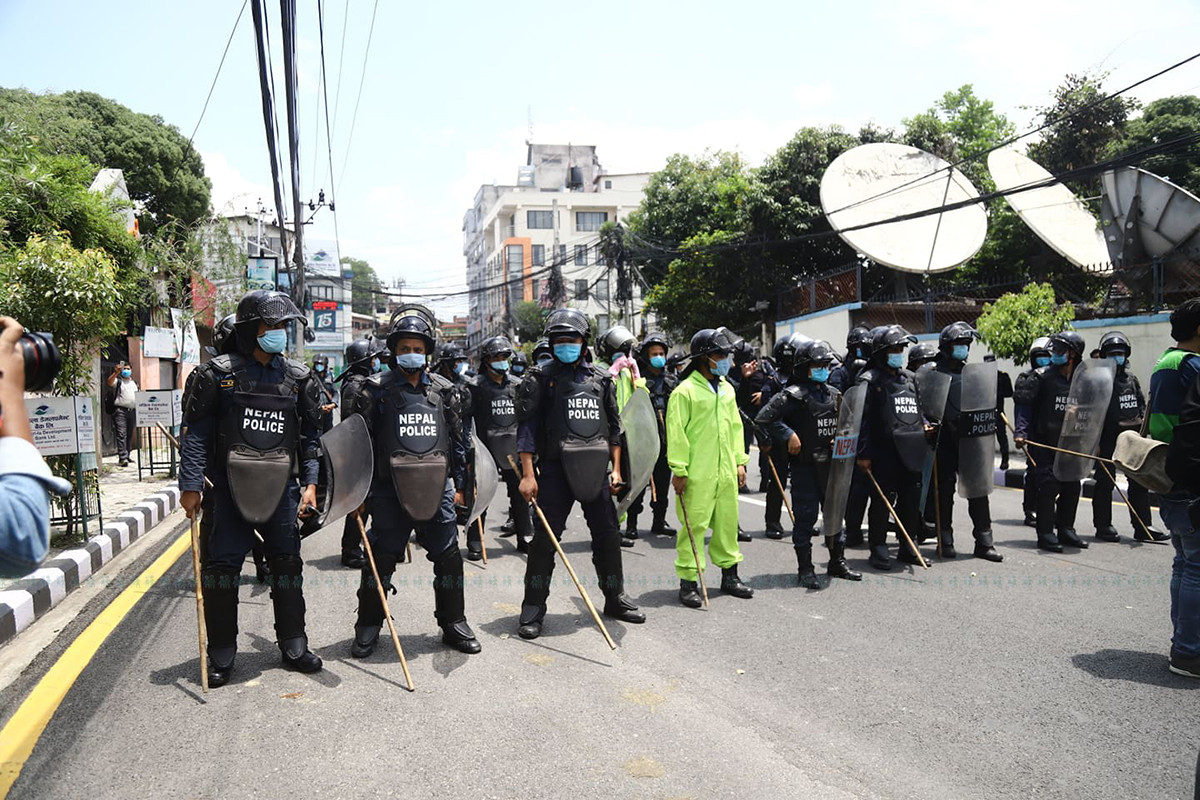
column 1131, row 665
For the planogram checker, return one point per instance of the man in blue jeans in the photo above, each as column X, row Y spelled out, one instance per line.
column 1175, row 418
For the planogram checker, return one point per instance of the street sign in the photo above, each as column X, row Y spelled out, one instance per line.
column 85, row 424
column 155, row 407
column 62, row 425
column 159, row 343
column 177, row 406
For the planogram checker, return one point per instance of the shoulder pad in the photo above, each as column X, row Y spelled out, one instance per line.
column 439, row 383
column 1025, row 387
column 377, row 380
column 600, row 372
column 220, row 364
column 869, row 375
column 297, row 371
column 201, row 393
column 794, row 392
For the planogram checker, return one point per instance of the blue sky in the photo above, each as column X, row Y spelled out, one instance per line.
column 449, row 87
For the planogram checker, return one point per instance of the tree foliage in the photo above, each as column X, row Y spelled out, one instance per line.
column 1010, row 324
column 164, row 174
column 367, row 291
column 528, row 316
column 1162, row 121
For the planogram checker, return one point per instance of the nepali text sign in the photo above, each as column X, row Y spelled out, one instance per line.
column 155, row 407
column 62, row 425
column 159, row 343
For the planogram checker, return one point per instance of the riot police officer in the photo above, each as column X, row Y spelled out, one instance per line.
column 519, row 365
column 858, row 353
column 542, row 354
column 892, row 443
column 858, row 350
column 362, row 361
column 801, row 421
column 415, row 420
column 1041, row 404
column 652, row 358
column 452, row 364
column 921, row 354
column 753, row 394
column 567, row 418
column 495, row 418
column 1125, row 413
column 1039, row 356
column 253, row 419
column 329, row 400
column 955, row 423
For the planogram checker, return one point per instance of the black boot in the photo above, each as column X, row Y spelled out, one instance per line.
column 631, row 528
column 1107, row 533
column 287, row 595
column 370, row 609
column 984, row 548
column 606, row 558
column 1069, row 538
column 449, row 605
column 660, row 526
column 539, row 568
column 1155, row 535
column 948, row 550
column 732, row 584
column 353, row 559
column 220, row 618
column 854, row 538
column 742, row 535
column 804, row 568
column 837, row 562
column 689, row 594
column 509, row 527
column 905, row 555
column 774, row 530
column 880, row 558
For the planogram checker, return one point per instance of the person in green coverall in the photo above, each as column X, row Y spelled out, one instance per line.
column 708, row 464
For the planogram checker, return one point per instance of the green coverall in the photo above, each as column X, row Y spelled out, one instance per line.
column 705, row 445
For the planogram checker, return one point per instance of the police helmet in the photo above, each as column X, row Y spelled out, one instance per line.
column 888, row 336
column 1040, row 347
column 270, row 308
column 617, row 339
column 956, row 333
column 223, row 339
column 518, row 363
column 567, row 322
column 1068, row 340
column 497, row 346
column 812, row 353
column 542, row 350
column 922, row 353
column 859, row 336
column 1114, row 342
column 413, row 321
column 709, row 341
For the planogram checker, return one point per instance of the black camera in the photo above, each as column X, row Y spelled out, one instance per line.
column 42, row 360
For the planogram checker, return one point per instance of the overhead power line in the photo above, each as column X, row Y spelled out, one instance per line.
column 361, row 80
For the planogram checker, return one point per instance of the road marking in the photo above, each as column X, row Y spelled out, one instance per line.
column 752, row 500
column 21, row 733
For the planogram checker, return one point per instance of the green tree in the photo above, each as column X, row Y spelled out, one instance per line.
column 164, row 174
column 1010, row 324
column 367, row 291
column 1162, row 121
column 529, row 316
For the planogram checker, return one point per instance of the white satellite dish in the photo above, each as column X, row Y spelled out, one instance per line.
column 874, row 182
column 1146, row 215
column 1053, row 212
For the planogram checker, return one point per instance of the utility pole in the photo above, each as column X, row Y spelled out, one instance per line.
column 287, row 10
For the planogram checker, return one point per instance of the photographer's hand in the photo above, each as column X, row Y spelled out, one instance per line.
column 13, row 420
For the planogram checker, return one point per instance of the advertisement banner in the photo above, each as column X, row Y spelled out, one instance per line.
column 261, row 273
column 159, row 343
column 85, row 424
column 155, row 407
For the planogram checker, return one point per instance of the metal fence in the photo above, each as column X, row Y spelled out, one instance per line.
column 926, row 304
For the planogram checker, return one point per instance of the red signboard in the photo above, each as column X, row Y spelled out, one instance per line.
column 324, row 305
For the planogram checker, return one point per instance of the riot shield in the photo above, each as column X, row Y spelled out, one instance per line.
column 933, row 390
column 977, row 430
column 486, row 480
column 844, row 457
column 348, row 464
column 1083, row 422
column 642, row 447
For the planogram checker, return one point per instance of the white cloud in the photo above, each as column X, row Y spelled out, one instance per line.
column 813, row 95
column 232, row 192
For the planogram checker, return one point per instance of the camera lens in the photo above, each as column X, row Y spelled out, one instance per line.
column 42, row 360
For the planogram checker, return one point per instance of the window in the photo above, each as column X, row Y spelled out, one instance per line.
column 608, row 184
column 600, row 262
column 515, row 259
column 581, row 255
column 602, row 322
column 590, row 220
column 537, row 289
column 602, row 289
column 320, row 292
column 581, row 289
column 539, row 219
column 539, row 255
column 562, row 254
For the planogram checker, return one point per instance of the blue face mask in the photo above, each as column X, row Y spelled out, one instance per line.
column 1118, row 360
column 658, row 362
column 568, row 352
column 1058, row 359
column 895, row 360
column 273, row 341
column 820, row 374
column 375, row 365
column 410, row 362
column 499, row 366
column 959, row 351
column 517, row 369
column 319, row 367
column 125, row 373
column 460, row 367
column 723, row 366
column 1042, row 361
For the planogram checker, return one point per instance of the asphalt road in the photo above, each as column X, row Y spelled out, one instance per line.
column 1044, row 676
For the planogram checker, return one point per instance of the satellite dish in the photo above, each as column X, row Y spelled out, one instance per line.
column 874, row 182
column 1145, row 215
column 1053, row 212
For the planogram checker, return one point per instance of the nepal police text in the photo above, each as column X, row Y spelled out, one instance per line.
column 583, row 408
column 264, row 421
column 417, row 423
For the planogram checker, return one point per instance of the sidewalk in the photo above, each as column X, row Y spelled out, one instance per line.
column 129, row 508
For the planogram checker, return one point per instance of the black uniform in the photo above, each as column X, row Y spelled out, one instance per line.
column 947, row 466
column 1125, row 412
column 568, row 417
column 769, row 382
column 420, row 461
column 1004, row 390
column 1041, row 403
column 1024, row 387
column 494, row 411
column 351, row 536
column 252, row 428
column 329, row 394
column 893, row 439
column 660, row 387
column 464, row 385
column 842, row 378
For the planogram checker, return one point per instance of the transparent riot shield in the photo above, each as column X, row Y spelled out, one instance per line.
column 642, row 447
column 1087, row 406
column 977, row 430
column 486, row 480
column 933, row 390
column 842, row 463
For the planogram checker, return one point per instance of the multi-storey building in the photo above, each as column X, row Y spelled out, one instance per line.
column 514, row 235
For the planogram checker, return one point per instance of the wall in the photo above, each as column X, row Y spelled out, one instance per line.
column 831, row 324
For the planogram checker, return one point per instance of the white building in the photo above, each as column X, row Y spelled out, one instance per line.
column 513, row 234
